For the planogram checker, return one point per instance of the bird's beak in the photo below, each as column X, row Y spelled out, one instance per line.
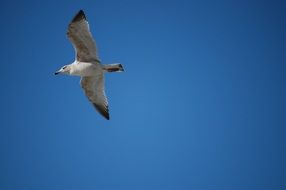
column 58, row 72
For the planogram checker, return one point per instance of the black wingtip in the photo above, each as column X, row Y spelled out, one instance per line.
column 106, row 116
column 103, row 111
column 79, row 16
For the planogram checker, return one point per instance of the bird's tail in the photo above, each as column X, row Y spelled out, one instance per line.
column 117, row 67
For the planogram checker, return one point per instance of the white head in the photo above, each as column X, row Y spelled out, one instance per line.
column 64, row 70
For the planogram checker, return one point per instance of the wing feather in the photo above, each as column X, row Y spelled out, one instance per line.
column 82, row 40
column 94, row 90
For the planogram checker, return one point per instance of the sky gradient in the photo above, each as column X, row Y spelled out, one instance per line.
column 201, row 104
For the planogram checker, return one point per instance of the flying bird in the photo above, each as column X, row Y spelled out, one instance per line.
column 87, row 65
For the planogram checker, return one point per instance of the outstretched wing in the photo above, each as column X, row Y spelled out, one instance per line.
column 94, row 90
column 82, row 40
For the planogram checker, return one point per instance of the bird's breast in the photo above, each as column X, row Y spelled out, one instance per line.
column 84, row 69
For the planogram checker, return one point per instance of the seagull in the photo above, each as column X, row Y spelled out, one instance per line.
column 87, row 65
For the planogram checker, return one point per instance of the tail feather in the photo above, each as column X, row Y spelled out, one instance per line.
column 113, row 67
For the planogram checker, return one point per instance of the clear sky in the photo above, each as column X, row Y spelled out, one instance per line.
column 201, row 105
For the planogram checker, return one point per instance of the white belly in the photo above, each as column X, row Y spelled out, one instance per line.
column 85, row 69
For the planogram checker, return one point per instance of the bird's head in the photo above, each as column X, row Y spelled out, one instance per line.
column 64, row 70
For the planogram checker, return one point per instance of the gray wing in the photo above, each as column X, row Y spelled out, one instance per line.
column 94, row 90
column 82, row 40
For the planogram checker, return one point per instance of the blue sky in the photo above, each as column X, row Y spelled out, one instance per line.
column 201, row 105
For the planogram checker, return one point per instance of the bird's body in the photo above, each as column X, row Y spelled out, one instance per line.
column 87, row 64
column 85, row 69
